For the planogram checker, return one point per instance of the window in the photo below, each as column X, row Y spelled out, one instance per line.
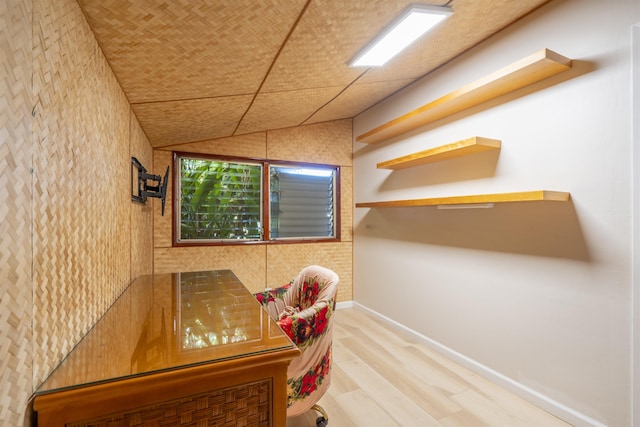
column 223, row 200
column 219, row 200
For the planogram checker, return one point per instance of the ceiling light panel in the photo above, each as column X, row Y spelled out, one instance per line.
column 407, row 28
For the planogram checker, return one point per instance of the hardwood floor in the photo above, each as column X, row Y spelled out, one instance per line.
column 382, row 379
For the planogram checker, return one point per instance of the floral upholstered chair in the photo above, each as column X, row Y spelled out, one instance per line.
column 304, row 310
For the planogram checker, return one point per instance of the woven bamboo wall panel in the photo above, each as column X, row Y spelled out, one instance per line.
column 162, row 225
column 285, row 261
column 245, row 405
column 357, row 98
column 290, row 58
column 175, row 122
column 346, row 203
column 249, row 145
column 319, row 143
column 176, row 50
column 274, row 110
column 329, row 143
column 16, row 286
column 141, row 215
column 81, row 163
column 309, row 60
column 246, row 261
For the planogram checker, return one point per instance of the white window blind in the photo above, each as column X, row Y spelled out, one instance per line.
column 302, row 202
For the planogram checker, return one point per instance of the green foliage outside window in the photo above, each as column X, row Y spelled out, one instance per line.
column 220, row 200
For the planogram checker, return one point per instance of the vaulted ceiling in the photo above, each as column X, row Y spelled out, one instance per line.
column 200, row 70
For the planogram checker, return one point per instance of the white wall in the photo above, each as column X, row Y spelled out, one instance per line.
column 636, row 221
column 540, row 293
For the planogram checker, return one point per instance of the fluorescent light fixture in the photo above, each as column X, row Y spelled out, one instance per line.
column 467, row 206
column 408, row 27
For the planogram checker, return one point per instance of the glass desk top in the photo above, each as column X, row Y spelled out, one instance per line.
column 168, row 321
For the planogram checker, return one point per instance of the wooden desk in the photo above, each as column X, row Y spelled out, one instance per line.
column 174, row 349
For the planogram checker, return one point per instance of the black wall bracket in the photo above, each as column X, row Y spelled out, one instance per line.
column 144, row 184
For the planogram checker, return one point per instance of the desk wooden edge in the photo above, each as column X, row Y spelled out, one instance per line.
column 116, row 396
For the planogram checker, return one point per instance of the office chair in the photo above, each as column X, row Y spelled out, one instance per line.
column 304, row 310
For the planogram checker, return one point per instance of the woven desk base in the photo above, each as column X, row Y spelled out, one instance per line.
column 246, row 405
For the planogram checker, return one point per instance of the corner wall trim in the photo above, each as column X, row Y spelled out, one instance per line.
column 635, row 200
column 538, row 399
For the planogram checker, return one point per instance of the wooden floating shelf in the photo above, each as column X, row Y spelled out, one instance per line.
column 524, row 196
column 539, row 66
column 460, row 148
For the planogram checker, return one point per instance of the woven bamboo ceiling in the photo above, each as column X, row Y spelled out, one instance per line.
column 200, row 70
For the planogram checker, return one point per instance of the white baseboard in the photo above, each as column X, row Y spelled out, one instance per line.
column 540, row 400
column 344, row 304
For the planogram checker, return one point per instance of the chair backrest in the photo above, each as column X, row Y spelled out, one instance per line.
column 314, row 284
column 313, row 294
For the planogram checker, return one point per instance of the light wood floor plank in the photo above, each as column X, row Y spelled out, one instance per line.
column 462, row 419
column 340, row 381
column 488, row 411
column 404, row 411
column 533, row 415
column 382, row 377
column 434, row 400
column 363, row 411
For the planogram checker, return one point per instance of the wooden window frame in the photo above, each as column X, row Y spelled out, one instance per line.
column 265, row 200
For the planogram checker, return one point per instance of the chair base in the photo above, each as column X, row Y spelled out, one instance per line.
column 322, row 420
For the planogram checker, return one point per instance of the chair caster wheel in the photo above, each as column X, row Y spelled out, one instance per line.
column 322, row 422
